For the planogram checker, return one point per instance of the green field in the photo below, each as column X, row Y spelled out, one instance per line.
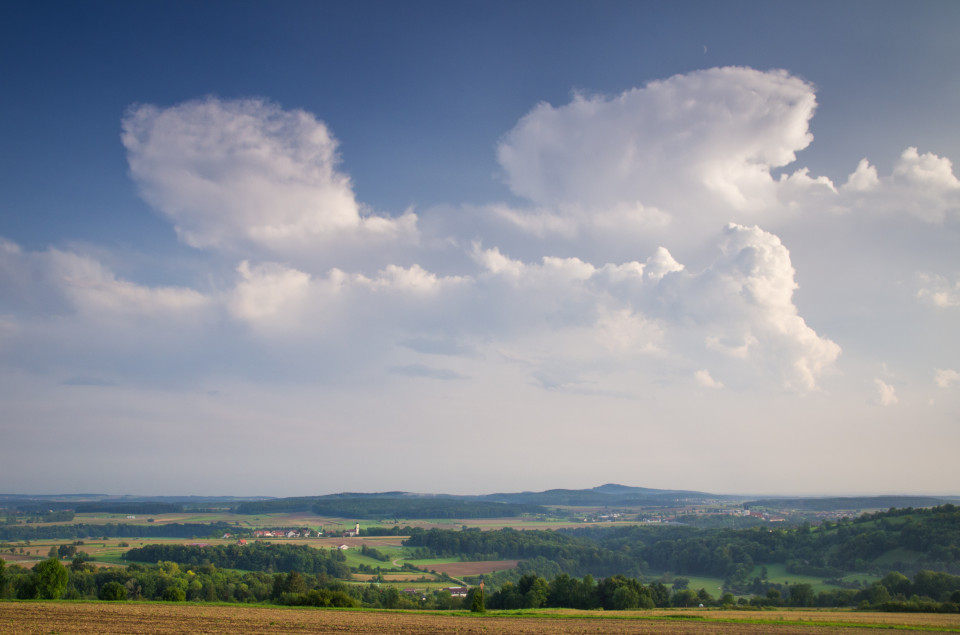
column 778, row 573
column 899, row 555
column 712, row 585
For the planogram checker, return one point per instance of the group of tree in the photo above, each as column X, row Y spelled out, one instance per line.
column 169, row 582
column 257, row 556
column 572, row 554
column 931, row 537
column 928, row 591
column 114, row 530
column 398, row 505
column 48, row 516
column 131, row 507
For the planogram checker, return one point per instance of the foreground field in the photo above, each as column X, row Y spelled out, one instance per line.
column 151, row 619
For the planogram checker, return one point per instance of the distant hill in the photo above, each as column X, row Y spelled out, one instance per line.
column 412, row 505
column 398, row 504
column 124, row 503
column 610, row 495
column 848, row 503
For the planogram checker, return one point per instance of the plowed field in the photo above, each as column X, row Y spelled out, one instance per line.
column 20, row 618
column 458, row 569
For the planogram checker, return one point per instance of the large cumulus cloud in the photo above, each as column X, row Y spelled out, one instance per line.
column 248, row 174
column 696, row 145
column 667, row 270
column 651, row 245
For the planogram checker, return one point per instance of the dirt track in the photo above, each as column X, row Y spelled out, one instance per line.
column 20, row 618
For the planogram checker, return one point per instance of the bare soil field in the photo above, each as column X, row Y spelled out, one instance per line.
column 394, row 577
column 21, row 618
column 458, row 569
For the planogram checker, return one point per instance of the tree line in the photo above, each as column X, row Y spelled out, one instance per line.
column 168, row 581
column 373, row 507
column 574, row 555
column 114, row 530
column 929, row 591
column 931, row 536
column 256, row 556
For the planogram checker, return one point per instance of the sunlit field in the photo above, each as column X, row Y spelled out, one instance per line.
column 20, row 618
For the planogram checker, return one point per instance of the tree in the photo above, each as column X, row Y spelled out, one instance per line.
column 876, row 593
column 625, row 598
column 685, row 598
column 113, row 591
column 476, row 601
column 801, row 594
column 660, row 593
column 533, row 590
column 896, row 583
column 51, row 579
column 391, row 598
column 67, row 551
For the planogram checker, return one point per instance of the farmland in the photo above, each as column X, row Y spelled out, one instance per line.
column 457, row 569
column 21, row 618
column 272, row 552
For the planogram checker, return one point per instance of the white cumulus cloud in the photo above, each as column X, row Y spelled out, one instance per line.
column 885, row 395
column 939, row 291
column 248, row 174
column 741, row 306
column 922, row 185
column 704, row 379
column 700, row 145
column 946, row 377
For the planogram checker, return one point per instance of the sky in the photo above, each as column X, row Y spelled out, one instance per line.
column 299, row 248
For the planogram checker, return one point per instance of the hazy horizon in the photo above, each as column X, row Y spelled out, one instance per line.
column 479, row 247
column 771, row 494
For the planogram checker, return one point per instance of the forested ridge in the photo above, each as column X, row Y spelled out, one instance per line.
column 847, row 502
column 372, row 507
column 571, row 554
column 926, row 538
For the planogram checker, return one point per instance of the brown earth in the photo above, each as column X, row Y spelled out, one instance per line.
column 458, row 569
column 395, row 577
column 21, row 618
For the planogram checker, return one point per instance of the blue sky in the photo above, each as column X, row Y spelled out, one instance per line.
column 688, row 244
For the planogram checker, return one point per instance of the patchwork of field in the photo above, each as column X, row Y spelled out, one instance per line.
column 22, row 618
column 307, row 519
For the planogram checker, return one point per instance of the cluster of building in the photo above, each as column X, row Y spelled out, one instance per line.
column 455, row 592
column 608, row 517
column 286, row 532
